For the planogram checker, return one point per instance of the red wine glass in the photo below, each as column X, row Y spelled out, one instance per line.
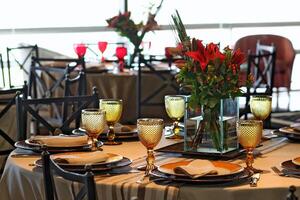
column 121, row 52
column 80, row 49
column 102, row 47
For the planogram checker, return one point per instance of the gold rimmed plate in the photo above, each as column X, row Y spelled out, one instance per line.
column 82, row 158
column 290, row 133
column 290, row 130
column 238, row 178
column 296, row 161
column 224, row 168
column 96, row 167
column 37, row 148
column 296, row 126
column 66, row 145
column 121, row 134
column 291, row 164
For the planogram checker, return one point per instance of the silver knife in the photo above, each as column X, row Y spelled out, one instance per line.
column 254, row 179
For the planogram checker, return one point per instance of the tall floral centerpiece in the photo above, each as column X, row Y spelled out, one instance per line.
column 135, row 32
column 211, row 76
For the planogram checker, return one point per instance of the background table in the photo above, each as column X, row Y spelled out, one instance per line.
column 124, row 86
column 21, row 180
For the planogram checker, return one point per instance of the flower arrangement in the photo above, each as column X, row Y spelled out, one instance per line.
column 210, row 75
column 135, row 32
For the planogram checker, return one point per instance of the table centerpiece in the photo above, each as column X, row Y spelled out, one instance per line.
column 212, row 77
column 135, row 32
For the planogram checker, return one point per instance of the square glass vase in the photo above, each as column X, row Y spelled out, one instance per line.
column 211, row 130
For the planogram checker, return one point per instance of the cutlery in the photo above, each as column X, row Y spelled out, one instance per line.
column 285, row 173
column 254, row 179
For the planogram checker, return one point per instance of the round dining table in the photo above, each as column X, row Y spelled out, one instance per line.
column 23, row 180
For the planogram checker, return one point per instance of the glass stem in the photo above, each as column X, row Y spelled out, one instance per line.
column 94, row 143
column 176, row 129
column 111, row 132
column 249, row 158
column 150, row 161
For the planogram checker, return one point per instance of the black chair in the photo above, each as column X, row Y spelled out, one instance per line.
column 2, row 70
column 70, row 106
column 166, row 78
column 47, row 75
column 261, row 66
column 291, row 195
column 48, row 78
column 50, row 168
column 75, row 86
column 22, row 62
column 7, row 100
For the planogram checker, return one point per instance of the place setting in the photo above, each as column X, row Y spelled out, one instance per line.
column 55, row 144
column 200, row 171
column 190, row 171
column 99, row 162
column 291, row 132
column 113, row 132
column 290, row 168
column 72, row 159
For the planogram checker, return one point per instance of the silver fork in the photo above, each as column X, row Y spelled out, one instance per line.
column 280, row 173
column 277, row 171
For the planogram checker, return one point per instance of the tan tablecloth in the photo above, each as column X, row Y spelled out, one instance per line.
column 23, row 181
column 8, row 124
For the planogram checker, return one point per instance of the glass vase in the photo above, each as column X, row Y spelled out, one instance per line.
column 211, row 130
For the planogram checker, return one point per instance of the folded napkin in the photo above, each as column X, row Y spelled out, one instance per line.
column 197, row 168
column 81, row 158
column 60, row 140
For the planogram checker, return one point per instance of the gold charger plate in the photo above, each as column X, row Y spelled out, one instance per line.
column 224, row 168
column 289, row 130
column 66, row 145
column 61, row 157
column 296, row 161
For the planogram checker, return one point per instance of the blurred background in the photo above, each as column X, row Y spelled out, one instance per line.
column 58, row 24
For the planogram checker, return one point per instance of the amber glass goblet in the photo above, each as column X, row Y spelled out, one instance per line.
column 113, row 109
column 261, row 106
column 174, row 105
column 249, row 134
column 93, row 122
column 149, row 132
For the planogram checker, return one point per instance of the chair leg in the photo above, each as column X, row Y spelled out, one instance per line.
column 277, row 99
column 289, row 99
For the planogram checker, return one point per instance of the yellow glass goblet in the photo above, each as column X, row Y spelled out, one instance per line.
column 93, row 121
column 175, row 105
column 249, row 134
column 113, row 109
column 149, row 132
column 261, row 106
